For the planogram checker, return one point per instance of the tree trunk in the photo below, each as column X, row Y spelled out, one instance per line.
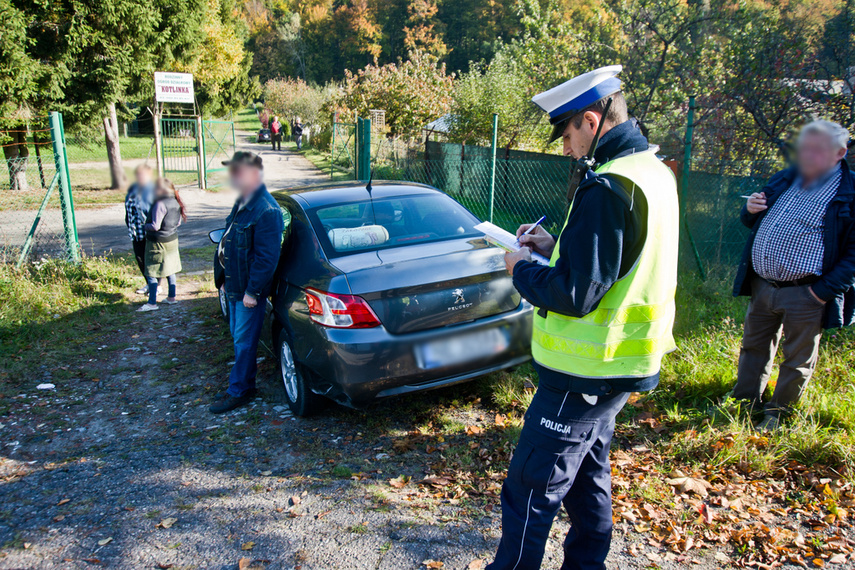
column 114, row 154
column 16, row 154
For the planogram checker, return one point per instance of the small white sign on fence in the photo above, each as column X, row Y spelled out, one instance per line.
column 173, row 87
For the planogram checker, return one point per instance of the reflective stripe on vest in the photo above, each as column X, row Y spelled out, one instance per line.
column 626, row 336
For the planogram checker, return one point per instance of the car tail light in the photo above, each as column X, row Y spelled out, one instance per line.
column 340, row 311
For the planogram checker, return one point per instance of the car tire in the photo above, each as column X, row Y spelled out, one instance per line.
column 224, row 303
column 294, row 378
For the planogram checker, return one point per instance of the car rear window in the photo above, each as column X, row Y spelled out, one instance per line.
column 391, row 222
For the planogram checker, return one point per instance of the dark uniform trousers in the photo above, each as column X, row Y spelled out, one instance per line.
column 562, row 458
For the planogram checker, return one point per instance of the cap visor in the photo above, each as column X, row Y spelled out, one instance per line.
column 558, row 131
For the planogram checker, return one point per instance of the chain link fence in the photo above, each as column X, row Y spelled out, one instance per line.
column 87, row 156
column 36, row 213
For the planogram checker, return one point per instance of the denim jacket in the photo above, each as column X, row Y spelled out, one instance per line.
column 835, row 286
column 251, row 246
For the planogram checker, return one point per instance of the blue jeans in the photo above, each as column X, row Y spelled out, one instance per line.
column 152, row 288
column 245, row 325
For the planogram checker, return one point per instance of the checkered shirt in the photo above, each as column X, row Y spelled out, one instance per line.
column 136, row 212
column 789, row 242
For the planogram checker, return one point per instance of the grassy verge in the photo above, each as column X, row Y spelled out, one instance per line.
column 320, row 159
column 246, row 120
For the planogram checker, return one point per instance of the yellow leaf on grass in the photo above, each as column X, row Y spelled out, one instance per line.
column 247, row 545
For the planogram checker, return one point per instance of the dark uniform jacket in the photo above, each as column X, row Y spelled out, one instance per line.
column 600, row 244
column 835, row 286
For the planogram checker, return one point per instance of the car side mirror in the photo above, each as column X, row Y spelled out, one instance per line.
column 217, row 235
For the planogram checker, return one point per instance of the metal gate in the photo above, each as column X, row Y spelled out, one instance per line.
column 343, row 149
column 179, row 145
column 219, row 144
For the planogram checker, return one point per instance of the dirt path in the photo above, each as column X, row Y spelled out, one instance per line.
column 103, row 230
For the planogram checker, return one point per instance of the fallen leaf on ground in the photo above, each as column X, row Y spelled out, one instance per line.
column 62, row 502
column 167, row 522
column 399, row 482
column 105, row 541
column 691, row 485
column 165, row 565
column 837, row 559
column 476, row 565
column 295, row 500
column 433, row 564
column 244, row 563
column 247, row 545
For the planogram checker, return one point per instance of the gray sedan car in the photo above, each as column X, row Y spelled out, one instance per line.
column 388, row 291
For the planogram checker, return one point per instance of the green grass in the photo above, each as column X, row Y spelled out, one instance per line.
column 321, row 160
column 246, row 120
column 95, row 150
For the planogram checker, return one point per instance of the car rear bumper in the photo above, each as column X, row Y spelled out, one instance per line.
column 362, row 365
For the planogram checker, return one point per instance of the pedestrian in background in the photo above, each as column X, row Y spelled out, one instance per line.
column 798, row 266
column 138, row 202
column 249, row 253
column 298, row 133
column 162, row 258
column 276, row 133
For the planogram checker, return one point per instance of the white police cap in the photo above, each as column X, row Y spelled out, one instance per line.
column 568, row 99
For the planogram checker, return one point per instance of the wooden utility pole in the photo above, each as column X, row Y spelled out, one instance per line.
column 114, row 152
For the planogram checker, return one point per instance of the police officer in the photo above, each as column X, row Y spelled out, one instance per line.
column 604, row 313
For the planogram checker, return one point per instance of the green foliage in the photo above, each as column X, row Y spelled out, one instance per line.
column 412, row 92
column 291, row 98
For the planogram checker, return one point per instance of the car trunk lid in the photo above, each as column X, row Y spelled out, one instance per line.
column 431, row 285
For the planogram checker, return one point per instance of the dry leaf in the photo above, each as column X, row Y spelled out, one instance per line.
column 247, row 545
column 167, row 522
column 476, row 565
column 474, row 430
column 433, row 564
column 399, row 482
column 691, row 485
column 837, row 559
column 819, row 562
column 105, row 541
column 165, row 565
column 244, row 563
column 62, row 502
column 295, row 500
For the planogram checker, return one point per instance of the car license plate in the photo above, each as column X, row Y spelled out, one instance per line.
column 459, row 349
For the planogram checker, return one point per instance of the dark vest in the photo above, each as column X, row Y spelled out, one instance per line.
column 169, row 226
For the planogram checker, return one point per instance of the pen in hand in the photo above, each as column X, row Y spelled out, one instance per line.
column 532, row 228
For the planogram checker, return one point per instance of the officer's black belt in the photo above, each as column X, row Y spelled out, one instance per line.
column 589, row 386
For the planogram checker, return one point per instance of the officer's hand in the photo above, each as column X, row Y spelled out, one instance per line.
column 756, row 203
column 539, row 240
column 511, row 259
column 249, row 301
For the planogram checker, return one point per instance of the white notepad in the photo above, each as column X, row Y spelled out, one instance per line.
column 506, row 240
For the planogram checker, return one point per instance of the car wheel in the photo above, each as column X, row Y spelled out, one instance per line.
column 295, row 379
column 224, row 303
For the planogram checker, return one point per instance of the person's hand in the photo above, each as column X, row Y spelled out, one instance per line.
column 512, row 258
column 815, row 295
column 249, row 301
column 539, row 240
column 756, row 203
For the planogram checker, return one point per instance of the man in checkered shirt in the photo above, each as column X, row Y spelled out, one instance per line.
column 798, row 267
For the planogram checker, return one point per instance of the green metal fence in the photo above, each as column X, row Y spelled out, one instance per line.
column 343, row 149
column 179, row 145
column 37, row 217
column 218, row 145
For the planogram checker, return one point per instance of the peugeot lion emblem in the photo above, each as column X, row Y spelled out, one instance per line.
column 458, row 296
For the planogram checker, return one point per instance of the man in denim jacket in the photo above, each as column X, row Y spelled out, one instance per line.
column 249, row 254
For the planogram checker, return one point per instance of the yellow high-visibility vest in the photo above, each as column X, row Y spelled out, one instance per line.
column 630, row 330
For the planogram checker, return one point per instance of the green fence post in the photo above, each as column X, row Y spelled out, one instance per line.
column 363, row 149
column 687, row 165
column 57, row 133
column 493, row 165
column 332, row 147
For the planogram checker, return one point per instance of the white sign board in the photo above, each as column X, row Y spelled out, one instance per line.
column 173, row 87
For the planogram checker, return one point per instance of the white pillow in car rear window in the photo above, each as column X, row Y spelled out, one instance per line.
column 348, row 239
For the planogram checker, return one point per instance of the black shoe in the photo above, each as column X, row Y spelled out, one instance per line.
column 229, row 403
column 252, row 393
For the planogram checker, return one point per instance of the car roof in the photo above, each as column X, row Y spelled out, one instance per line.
column 349, row 191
